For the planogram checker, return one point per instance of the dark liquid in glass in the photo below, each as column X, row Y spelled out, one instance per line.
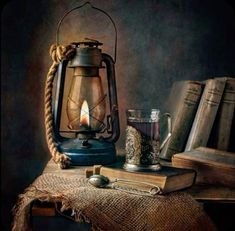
column 148, row 129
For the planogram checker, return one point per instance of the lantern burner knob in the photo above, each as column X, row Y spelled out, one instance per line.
column 85, row 144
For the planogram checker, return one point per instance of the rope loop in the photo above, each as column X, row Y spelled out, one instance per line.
column 60, row 52
column 57, row 53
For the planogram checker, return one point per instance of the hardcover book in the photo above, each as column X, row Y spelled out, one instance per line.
column 206, row 114
column 169, row 179
column 182, row 105
column 213, row 166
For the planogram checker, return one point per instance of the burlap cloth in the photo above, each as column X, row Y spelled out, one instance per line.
column 109, row 209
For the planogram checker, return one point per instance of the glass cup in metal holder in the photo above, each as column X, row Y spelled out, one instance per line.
column 143, row 144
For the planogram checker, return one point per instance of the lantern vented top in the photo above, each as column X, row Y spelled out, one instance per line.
column 88, row 54
column 87, row 42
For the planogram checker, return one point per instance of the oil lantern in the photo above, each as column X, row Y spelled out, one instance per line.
column 94, row 131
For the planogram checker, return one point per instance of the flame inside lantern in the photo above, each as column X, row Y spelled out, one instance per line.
column 84, row 116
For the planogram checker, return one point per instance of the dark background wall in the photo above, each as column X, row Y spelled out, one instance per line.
column 159, row 42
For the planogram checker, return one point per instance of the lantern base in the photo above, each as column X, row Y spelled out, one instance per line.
column 89, row 152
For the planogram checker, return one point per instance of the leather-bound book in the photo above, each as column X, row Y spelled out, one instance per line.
column 220, row 134
column 168, row 179
column 182, row 104
column 206, row 113
column 213, row 166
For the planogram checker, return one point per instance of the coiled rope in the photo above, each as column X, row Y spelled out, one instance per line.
column 57, row 53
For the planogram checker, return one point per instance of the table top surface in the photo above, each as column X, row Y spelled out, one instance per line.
column 203, row 193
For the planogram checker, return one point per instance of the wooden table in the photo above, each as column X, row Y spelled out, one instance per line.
column 210, row 196
column 202, row 193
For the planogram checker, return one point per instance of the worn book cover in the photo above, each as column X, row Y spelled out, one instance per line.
column 182, row 105
column 206, row 113
column 221, row 131
column 213, row 166
column 169, row 179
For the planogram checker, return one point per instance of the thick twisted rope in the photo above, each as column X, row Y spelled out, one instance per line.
column 58, row 53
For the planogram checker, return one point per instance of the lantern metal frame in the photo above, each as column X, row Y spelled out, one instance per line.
column 92, row 150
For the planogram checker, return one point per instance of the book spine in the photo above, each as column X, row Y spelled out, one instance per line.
column 220, row 135
column 183, row 119
column 206, row 114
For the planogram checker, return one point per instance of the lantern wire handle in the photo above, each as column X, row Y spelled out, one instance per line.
column 95, row 8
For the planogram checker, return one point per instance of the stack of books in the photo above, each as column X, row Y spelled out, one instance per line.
column 203, row 118
column 203, row 113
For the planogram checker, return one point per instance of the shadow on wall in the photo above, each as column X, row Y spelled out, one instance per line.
column 159, row 42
